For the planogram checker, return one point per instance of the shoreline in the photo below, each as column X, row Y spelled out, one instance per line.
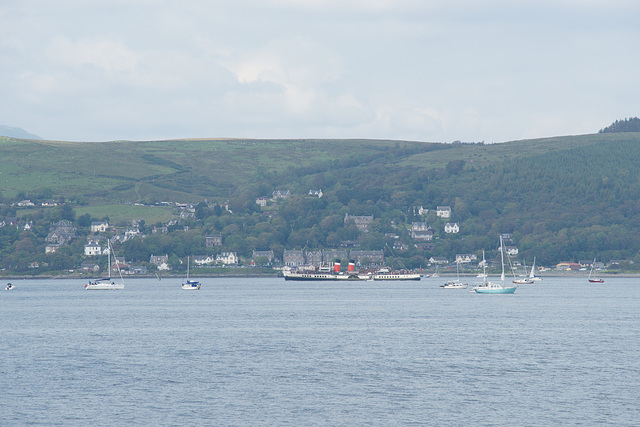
column 276, row 274
column 132, row 276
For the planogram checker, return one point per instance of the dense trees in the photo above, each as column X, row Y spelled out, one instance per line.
column 626, row 125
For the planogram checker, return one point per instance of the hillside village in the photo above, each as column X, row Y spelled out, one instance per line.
column 94, row 236
column 83, row 242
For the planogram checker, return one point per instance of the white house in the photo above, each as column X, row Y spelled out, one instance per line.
column 419, row 226
column 317, row 193
column 262, row 201
column 466, row 258
column 451, row 228
column 131, row 233
column 160, row 261
column 204, row 260
column 99, row 226
column 281, row 194
column 443, row 211
column 92, row 249
column 421, row 232
column 227, row 258
column 511, row 250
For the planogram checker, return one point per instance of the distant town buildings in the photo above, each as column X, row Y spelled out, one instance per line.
column 438, row 260
column 293, row 258
column 92, row 248
column 451, row 227
column 421, row 232
column 280, row 194
column 213, row 240
column 326, row 257
column 160, row 261
column 204, row 260
column 61, row 233
column 263, row 254
column 99, row 226
column 511, row 250
column 443, row 211
column 367, row 258
column 227, row 258
column 466, row 258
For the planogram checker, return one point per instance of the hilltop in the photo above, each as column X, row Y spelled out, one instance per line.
column 14, row 132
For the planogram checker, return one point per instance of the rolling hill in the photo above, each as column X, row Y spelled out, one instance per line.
column 14, row 132
column 561, row 198
column 178, row 170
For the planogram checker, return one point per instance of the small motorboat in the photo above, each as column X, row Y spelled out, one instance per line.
column 10, row 286
column 454, row 284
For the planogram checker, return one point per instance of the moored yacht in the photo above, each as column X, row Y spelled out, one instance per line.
column 190, row 284
column 106, row 283
column 488, row 287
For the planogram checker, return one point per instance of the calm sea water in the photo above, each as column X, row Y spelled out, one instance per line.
column 251, row 352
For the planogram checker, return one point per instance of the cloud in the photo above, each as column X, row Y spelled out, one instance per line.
column 407, row 69
column 298, row 66
column 111, row 58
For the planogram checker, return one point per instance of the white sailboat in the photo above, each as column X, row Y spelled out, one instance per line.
column 107, row 283
column 527, row 280
column 592, row 277
column 190, row 284
column 455, row 284
column 488, row 287
column 436, row 274
column 532, row 274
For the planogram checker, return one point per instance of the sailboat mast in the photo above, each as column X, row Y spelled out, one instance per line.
column 484, row 269
column 109, row 258
column 502, row 259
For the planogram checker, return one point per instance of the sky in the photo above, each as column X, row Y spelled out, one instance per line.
column 421, row 70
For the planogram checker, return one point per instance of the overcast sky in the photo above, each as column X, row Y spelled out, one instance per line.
column 446, row 70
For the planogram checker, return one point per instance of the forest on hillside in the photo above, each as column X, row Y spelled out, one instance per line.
column 625, row 125
column 575, row 204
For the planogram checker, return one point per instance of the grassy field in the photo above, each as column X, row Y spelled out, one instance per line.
column 124, row 213
column 180, row 170
column 484, row 155
column 111, row 173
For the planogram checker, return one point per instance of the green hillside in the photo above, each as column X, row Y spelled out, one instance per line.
column 563, row 199
column 178, row 170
